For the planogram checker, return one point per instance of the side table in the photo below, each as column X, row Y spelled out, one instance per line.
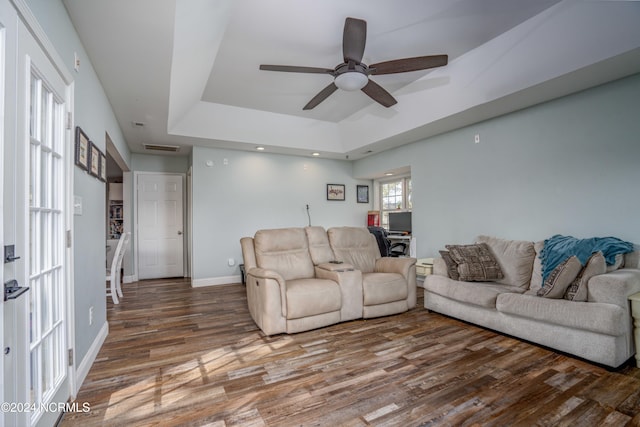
column 635, row 312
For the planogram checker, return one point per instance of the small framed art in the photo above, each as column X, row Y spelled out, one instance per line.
column 103, row 167
column 362, row 192
column 94, row 160
column 335, row 191
column 82, row 149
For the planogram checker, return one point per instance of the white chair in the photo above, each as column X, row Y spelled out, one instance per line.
column 113, row 273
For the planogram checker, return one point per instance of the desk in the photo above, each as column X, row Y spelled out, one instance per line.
column 635, row 312
column 404, row 238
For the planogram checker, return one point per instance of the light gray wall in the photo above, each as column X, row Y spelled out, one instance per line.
column 570, row 166
column 159, row 163
column 94, row 114
column 261, row 190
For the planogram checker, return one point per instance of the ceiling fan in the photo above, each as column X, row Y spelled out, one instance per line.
column 352, row 74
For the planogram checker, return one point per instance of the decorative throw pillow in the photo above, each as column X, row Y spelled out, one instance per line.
column 560, row 278
column 476, row 263
column 452, row 267
column 577, row 290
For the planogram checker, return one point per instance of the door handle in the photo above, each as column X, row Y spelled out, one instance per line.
column 179, row 233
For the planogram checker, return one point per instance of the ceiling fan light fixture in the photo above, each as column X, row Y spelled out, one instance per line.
column 351, row 80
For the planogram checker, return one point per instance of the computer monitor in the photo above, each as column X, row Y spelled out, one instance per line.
column 400, row 222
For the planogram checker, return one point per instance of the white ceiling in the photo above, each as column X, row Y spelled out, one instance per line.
column 188, row 69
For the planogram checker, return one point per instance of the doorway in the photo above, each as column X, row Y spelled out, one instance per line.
column 160, row 204
column 37, row 183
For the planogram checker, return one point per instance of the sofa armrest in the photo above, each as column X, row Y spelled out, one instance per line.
column 350, row 282
column 394, row 265
column 615, row 287
column 440, row 267
column 263, row 276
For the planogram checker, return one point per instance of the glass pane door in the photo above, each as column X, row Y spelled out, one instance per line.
column 46, row 242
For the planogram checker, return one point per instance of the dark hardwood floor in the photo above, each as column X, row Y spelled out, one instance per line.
column 182, row 356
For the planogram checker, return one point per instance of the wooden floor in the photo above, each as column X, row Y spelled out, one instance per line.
column 182, row 356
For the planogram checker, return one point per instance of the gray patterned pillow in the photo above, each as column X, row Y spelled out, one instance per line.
column 577, row 290
column 452, row 267
column 475, row 262
column 560, row 278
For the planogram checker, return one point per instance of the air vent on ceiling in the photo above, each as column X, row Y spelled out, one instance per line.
column 158, row 147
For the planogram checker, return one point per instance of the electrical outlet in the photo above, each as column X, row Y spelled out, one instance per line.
column 476, row 139
column 76, row 62
column 90, row 315
column 231, row 262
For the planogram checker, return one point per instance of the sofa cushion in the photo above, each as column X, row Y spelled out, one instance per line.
column 596, row 317
column 308, row 297
column 284, row 251
column 632, row 259
column 452, row 267
column 355, row 246
column 515, row 258
column 319, row 247
column 560, row 278
column 483, row 294
column 618, row 264
column 381, row 288
column 475, row 262
column 577, row 290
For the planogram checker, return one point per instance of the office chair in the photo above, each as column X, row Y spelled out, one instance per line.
column 387, row 249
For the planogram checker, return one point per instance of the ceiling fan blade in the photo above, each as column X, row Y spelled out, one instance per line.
column 409, row 64
column 295, row 69
column 354, row 39
column 321, row 96
column 379, row 94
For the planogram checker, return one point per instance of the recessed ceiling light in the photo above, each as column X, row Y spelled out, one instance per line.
column 260, row 148
column 315, row 154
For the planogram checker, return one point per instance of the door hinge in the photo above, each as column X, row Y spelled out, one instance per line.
column 70, row 357
column 69, row 120
column 68, row 238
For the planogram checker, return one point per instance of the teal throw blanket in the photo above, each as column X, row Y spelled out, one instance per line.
column 558, row 248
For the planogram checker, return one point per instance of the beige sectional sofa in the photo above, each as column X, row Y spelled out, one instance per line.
column 598, row 329
column 305, row 278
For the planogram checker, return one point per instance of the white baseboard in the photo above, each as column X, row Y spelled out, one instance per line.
column 214, row 281
column 90, row 357
column 130, row 279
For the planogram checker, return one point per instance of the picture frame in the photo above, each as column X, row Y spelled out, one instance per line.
column 103, row 167
column 362, row 193
column 335, row 192
column 94, row 160
column 82, row 149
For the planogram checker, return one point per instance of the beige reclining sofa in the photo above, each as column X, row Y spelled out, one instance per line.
column 300, row 279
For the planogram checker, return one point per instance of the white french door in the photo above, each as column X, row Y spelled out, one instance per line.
column 160, row 225
column 46, row 243
column 43, row 146
column 36, row 184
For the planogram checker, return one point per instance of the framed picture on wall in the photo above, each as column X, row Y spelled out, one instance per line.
column 82, row 149
column 362, row 192
column 94, row 160
column 103, row 167
column 335, row 191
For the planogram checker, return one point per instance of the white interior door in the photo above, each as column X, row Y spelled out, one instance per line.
column 160, row 225
column 39, row 218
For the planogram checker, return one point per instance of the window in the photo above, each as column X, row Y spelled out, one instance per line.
column 394, row 196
